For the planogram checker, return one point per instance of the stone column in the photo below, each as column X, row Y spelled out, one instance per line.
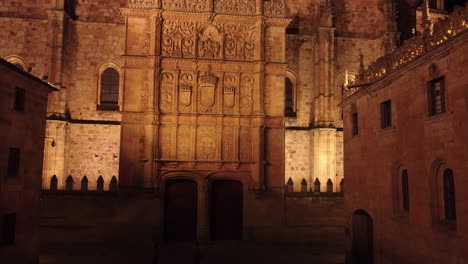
column 140, row 113
column 323, row 156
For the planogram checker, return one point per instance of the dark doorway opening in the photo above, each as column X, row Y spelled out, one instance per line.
column 362, row 238
column 180, row 210
column 226, row 210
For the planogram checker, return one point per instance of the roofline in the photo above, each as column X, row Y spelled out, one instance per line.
column 29, row 75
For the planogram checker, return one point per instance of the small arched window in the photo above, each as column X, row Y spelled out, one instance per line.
column 443, row 195
column 109, row 90
column 405, row 191
column 289, row 107
column 450, row 213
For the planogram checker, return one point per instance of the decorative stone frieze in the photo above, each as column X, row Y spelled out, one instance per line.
column 144, row 4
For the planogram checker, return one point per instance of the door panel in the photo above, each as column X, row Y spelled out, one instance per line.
column 362, row 238
column 180, row 210
column 226, row 210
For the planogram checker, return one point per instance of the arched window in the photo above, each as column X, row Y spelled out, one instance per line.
column 400, row 187
column 110, row 83
column 110, row 87
column 443, row 195
column 405, row 191
column 450, row 212
column 289, row 107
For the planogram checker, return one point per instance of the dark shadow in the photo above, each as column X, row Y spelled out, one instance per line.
column 180, row 210
column 226, row 210
column 362, row 238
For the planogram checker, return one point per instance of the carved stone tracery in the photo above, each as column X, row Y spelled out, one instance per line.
column 236, row 6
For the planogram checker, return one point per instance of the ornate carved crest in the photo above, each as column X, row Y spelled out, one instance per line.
column 209, row 42
column 185, row 94
column 207, row 87
column 185, row 89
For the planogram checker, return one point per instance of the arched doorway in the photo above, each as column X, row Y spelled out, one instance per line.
column 362, row 238
column 180, row 210
column 226, row 210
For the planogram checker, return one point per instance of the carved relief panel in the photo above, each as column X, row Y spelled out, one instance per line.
column 206, row 143
column 239, row 41
column 274, row 8
column 245, row 145
column 228, row 144
column 216, row 40
column 244, row 7
column 246, row 94
column 167, row 91
column 178, row 38
column 188, row 5
column 165, row 142
column 210, row 42
column 184, row 143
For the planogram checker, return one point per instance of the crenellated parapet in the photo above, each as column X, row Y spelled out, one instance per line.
column 442, row 31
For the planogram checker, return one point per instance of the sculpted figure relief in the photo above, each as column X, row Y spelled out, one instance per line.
column 231, row 41
column 209, row 42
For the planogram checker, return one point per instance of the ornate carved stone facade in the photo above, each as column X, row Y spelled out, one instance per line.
column 202, row 88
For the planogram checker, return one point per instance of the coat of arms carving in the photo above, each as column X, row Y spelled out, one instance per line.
column 185, row 94
column 207, row 87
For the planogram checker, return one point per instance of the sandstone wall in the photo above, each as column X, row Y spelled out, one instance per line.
column 26, row 38
column 89, row 46
column 93, row 150
column 415, row 141
column 297, row 158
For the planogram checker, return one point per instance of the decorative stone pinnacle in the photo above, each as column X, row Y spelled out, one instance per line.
column 426, row 16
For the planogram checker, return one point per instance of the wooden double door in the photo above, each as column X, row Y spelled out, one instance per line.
column 181, row 208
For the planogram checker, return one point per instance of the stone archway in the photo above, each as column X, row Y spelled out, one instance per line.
column 226, row 210
column 180, row 210
column 362, row 238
